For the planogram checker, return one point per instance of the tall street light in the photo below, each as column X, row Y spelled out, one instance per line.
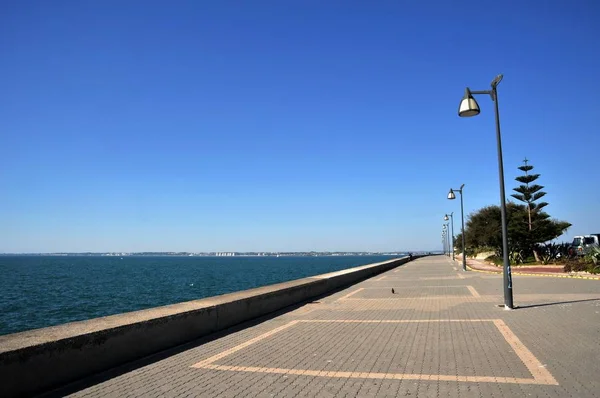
column 452, row 223
column 444, row 241
column 469, row 107
column 452, row 196
column 447, row 231
column 445, row 237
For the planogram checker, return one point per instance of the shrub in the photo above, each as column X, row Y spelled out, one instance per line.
column 516, row 257
column 593, row 255
column 548, row 252
column 575, row 265
column 594, row 269
column 564, row 251
column 497, row 260
column 582, row 265
column 593, row 260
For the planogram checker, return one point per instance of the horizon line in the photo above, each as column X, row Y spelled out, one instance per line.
column 224, row 251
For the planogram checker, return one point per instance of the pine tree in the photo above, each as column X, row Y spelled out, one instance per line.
column 529, row 193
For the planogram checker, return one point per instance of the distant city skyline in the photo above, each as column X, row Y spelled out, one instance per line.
column 282, row 126
column 223, row 254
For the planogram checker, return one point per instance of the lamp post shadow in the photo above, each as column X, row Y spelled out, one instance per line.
column 555, row 303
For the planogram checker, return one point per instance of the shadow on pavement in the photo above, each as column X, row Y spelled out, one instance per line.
column 556, row 303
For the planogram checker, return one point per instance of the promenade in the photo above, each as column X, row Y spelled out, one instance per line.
column 440, row 333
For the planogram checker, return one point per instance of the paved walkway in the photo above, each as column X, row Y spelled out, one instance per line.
column 440, row 334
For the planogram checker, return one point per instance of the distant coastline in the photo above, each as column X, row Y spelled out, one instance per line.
column 218, row 254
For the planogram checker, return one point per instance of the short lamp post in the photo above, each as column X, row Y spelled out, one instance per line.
column 469, row 107
column 452, row 196
column 452, row 239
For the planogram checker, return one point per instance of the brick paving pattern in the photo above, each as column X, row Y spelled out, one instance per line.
column 441, row 334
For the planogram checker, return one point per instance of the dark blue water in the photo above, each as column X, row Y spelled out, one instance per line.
column 41, row 291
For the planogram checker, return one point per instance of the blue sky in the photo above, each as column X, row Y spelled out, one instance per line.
column 280, row 125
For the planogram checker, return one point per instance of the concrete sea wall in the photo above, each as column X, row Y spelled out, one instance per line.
column 42, row 359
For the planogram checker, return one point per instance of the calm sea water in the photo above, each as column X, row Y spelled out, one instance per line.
column 41, row 291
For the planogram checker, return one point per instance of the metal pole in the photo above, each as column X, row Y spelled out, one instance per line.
column 452, row 219
column 462, row 219
column 443, row 244
column 444, row 240
column 448, row 238
column 445, row 247
column 508, row 296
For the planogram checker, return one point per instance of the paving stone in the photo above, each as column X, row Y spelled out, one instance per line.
column 441, row 334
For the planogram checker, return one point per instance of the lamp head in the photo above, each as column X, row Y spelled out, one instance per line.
column 468, row 106
column 497, row 80
column 446, row 217
column 451, row 194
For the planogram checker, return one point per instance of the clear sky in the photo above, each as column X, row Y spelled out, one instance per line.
column 286, row 125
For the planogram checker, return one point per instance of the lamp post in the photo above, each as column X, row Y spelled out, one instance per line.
column 469, row 107
column 448, row 237
column 447, row 232
column 451, row 240
column 452, row 196
column 444, row 241
column 444, row 237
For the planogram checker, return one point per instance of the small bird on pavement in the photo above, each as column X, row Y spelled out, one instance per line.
column 393, row 292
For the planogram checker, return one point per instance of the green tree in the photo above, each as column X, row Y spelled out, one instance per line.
column 529, row 193
column 539, row 226
column 484, row 228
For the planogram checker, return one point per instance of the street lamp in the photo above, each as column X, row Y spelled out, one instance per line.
column 452, row 196
column 469, row 107
column 447, row 237
column 452, row 223
column 444, row 243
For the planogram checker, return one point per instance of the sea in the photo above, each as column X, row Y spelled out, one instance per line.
column 41, row 291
